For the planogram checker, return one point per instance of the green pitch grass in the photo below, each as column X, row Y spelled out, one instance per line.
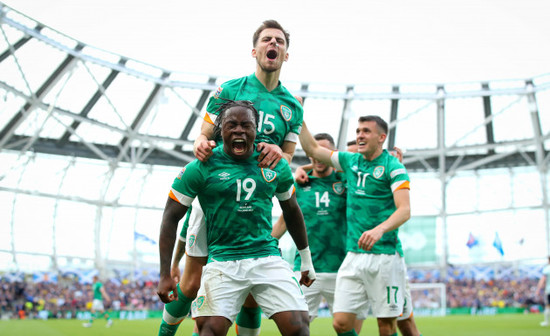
column 456, row 325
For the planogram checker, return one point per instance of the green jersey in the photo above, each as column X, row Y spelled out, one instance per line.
column 281, row 115
column 236, row 198
column 323, row 204
column 370, row 201
column 96, row 287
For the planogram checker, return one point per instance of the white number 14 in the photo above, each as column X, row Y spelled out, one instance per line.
column 324, row 199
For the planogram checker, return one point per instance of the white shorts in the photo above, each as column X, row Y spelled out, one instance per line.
column 375, row 279
column 97, row 305
column 322, row 287
column 408, row 304
column 226, row 284
column 197, row 241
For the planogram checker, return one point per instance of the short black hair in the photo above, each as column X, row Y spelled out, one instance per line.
column 225, row 106
column 267, row 24
column 351, row 143
column 324, row 136
column 382, row 125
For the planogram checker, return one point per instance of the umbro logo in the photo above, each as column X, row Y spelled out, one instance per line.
column 224, row 175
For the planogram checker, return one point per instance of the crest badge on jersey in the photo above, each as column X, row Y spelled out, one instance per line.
column 338, row 188
column 378, row 172
column 218, row 92
column 268, row 174
column 192, row 239
column 286, row 112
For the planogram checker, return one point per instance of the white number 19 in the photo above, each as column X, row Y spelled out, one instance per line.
column 248, row 185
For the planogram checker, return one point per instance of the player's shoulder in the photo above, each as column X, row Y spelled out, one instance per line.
column 224, row 90
column 343, row 155
column 392, row 162
column 235, row 81
column 283, row 164
column 217, row 155
column 283, row 167
column 290, row 99
column 194, row 167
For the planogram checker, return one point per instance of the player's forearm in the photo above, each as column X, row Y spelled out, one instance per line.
column 541, row 283
column 308, row 167
column 307, row 141
column 288, row 157
column 279, row 228
column 398, row 218
column 166, row 246
column 288, row 149
column 173, row 212
column 295, row 225
column 312, row 148
column 180, row 251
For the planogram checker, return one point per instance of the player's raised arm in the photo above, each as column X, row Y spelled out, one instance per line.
column 312, row 148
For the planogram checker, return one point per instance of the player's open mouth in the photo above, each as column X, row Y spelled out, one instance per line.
column 272, row 54
column 361, row 143
column 239, row 146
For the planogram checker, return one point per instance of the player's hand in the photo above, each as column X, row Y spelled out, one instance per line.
column 306, row 278
column 398, row 153
column 369, row 238
column 301, row 176
column 175, row 273
column 203, row 150
column 166, row 289
column 270, row 155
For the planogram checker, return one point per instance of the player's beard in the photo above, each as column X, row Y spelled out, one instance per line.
column 272, row 68
column 322, row 172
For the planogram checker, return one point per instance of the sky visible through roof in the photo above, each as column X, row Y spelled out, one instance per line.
column 346, row 42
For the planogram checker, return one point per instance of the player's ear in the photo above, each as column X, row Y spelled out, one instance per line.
column 253, row 53
column 286, row 57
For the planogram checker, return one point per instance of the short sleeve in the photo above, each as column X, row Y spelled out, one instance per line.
column 188, row 183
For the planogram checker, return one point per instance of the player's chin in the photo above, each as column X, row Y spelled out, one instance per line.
column 271, row 66
column 240, row 151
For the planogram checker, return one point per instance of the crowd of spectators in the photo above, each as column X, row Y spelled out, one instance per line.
column 492, row 293
column 63, row 299
column 479, row 294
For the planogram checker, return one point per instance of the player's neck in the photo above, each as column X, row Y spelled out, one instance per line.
column 269, row 79
column 373, row 155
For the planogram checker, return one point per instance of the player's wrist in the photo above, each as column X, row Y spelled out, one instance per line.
column 307, row 262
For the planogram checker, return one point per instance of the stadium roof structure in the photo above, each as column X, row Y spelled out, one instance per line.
column 63, row 97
